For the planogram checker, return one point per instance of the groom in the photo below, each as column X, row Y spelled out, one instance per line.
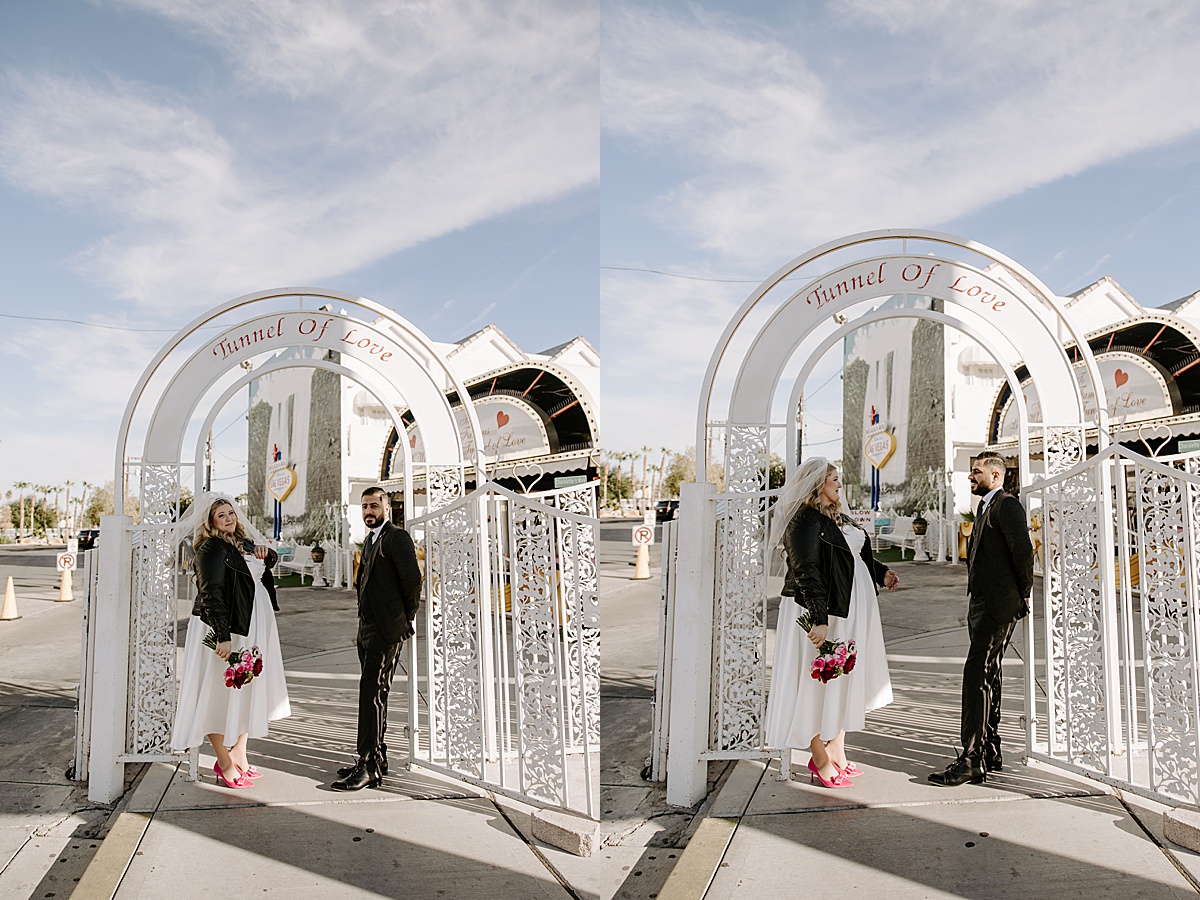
column 389, row 589
column 999, row 582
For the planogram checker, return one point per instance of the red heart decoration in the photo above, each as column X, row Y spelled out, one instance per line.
column 1121, row 377
column 412, row 441
column 501, row 418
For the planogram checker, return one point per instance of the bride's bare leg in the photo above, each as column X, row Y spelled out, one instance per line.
column 238, row 753
column 821, row 758
column 836, row 750
column 224, row 760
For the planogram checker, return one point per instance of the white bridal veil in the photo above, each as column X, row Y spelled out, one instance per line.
column 802, row 483
column 185, row 529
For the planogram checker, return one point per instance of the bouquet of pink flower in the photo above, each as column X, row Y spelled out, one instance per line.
column 834, row 658
column 244, row 665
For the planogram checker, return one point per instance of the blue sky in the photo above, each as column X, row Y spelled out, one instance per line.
column 736, row 137
column 158, row 157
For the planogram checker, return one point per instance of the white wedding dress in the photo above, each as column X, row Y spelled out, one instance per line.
column 205, row 705
column 800, row 707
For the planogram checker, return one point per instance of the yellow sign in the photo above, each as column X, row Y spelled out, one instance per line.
column 879, row 447
column 281, row 482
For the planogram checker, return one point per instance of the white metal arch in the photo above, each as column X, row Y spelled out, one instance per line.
column 782, row 334
column 718, row 641
column 863, row 321
column 372, row 386
column 1031, row 283
column 175, row 405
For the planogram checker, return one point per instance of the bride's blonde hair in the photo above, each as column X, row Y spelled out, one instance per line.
column 207, row 529
column 816, row 497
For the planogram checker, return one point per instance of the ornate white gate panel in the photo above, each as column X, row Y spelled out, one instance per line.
column 180, row 393
column 1116, row 696
column 739, row 697
column 751, row 401
column 505, row 691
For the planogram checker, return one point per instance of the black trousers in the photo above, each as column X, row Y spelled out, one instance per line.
column 377, row 658
column 981, row 687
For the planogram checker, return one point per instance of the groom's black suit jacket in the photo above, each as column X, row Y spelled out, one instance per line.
column 389, row 584
column 1000, row 562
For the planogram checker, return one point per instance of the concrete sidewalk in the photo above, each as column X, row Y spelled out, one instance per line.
column 1029, row 831
column 419, row 835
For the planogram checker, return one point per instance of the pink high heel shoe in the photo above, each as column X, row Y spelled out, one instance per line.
column 837, row 781
column 239, row 782
column 251, row 772
column 851, row 770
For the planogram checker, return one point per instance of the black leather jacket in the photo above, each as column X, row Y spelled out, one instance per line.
column 225, row 588
column 820, row 570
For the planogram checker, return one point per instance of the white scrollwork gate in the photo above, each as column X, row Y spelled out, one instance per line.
column 718, row 678
column 1112, row 683
column 505, row 676
column 140, row 593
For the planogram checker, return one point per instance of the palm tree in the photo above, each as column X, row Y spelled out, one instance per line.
column 646, row 451
column 21, row 485
column 57, row 489
column 604, row 481
column 87, row 486
column 662, row 469
column 632, row 457
column 67, row 507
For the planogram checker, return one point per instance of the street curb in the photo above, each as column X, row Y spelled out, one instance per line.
column 104, row 873
column 698, row 864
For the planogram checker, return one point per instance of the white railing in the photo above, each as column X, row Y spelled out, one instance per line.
column 1111, row 684
column 505, row 691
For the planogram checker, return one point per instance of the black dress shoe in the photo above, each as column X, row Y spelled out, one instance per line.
column 345, row 771
column 959, row 772
column 361, row 776
column 994, row 763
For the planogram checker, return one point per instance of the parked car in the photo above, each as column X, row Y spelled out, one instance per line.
column 88, row 538
column 664, row 510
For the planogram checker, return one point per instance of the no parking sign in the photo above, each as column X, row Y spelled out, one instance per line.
column 643, row 534
column 66, row 562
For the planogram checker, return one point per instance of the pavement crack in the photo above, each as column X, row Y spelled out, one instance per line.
column 1165, row 850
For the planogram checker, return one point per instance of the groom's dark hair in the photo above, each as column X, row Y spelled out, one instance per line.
column 992, row 461
column 375, row 489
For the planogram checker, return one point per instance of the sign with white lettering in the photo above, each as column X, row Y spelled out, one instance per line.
column 511, row 429
column 878, row 447
column 1136, row 391
column 281, row 481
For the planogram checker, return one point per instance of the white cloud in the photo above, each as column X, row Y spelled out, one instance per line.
column 893, row 115
column 857, row 115
column 386, row 125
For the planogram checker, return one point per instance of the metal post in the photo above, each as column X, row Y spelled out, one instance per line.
column 1108, row 612
column 110, row 678
column 692, row 625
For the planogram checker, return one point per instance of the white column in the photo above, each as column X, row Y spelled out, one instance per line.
column 692, row 627
column 110, row 675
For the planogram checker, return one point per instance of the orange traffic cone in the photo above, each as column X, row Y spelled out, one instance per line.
column 9, row 611
column 64, row 589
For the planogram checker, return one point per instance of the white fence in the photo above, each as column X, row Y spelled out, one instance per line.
column 1111, row 687
column 505, row 690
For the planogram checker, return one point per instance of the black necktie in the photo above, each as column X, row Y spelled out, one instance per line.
column 368, row 545
column 979, row 512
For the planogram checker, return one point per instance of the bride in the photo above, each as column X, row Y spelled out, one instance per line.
column 232, row 602
column 831, row 577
